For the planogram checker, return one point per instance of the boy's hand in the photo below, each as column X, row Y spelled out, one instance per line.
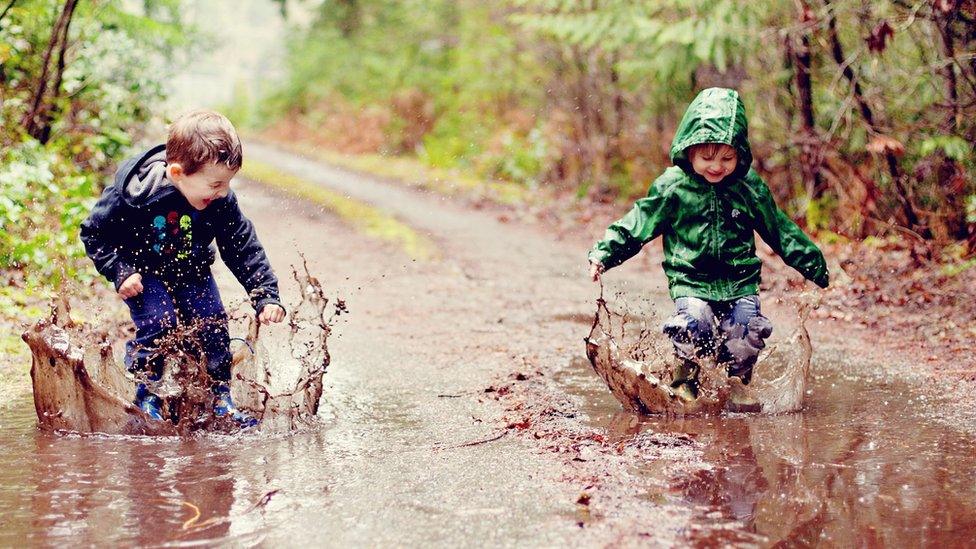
column 131, row 287
column 596, row 269
column 271, row 313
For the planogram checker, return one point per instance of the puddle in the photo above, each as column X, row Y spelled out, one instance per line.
column 859, row 466
column 80, row 385
column 97, row 490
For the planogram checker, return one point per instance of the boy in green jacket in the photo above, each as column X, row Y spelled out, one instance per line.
column 706, row 208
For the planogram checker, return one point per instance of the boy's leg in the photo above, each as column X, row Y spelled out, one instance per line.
column 692, row 332
column 199, row 301
column 153, row 314
column 744, row 331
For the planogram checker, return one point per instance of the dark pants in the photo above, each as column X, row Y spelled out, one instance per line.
column 734, row 332
column 161, row 307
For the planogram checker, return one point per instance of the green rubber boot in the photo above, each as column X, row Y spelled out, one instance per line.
column 741, row 401
column 684, row 380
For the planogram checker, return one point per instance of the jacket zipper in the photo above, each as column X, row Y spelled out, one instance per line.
column 714, row 223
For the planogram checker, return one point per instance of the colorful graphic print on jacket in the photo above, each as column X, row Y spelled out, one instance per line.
column 174, row 235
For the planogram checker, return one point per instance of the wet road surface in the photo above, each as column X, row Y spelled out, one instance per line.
column 389, row 465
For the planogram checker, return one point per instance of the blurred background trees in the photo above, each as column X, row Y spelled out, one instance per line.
column 861, row 113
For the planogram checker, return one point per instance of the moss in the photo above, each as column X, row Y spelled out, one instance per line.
column 830, row 237
column 361, row 215
column 17, row 305
column 11, row 345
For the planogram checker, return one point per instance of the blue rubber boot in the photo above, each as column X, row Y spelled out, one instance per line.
column 149, row 403
column 225, row 406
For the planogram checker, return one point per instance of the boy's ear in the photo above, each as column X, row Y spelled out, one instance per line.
column 175, row 171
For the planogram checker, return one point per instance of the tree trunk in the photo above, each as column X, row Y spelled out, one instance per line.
column 798, row 52
column 944, row 24
column 617, row 108
column 350, row 16
column 47, row 116
column 37, row 120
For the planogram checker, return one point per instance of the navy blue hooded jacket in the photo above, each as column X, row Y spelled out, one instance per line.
column 143, row 224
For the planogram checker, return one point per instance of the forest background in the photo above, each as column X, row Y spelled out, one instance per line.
column 861, row 113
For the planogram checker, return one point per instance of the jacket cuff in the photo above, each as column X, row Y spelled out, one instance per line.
column 823, row 280
column 260, row 304
column 122, row 272
column 597, row 256
column 264, row 296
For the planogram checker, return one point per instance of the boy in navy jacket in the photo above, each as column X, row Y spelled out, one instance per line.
column 151, row 234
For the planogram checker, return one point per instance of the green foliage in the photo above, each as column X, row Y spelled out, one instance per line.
column 653, row 42
column 521, row 159
column 818, row 212
column 584, row 94
column 370, row 55
column 455, row 137
column 42, row 202
column 460, row 57
column 114, row 69
column 956, row 268
column 952, row 146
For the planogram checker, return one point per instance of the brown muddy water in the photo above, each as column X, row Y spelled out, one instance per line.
column 80, row 386
column 844, row 459
column 635, row 359
column 860, row 466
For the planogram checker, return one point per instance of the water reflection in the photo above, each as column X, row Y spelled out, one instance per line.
column 99, row 490
column 857, row 468
column 129, row 491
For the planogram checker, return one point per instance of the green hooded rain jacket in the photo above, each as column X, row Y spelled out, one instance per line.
column 709, row 247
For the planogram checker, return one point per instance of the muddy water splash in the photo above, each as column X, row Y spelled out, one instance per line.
column 79, row 386
column 628, row 350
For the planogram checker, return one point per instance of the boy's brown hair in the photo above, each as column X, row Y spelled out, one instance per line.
column 708, row 150
column 200, row 138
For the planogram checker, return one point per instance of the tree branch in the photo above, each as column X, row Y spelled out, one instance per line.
column 35, row 121
column 6, row 9
column 837, row 52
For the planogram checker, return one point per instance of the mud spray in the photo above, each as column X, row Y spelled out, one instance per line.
column 629, row 351
column 80, row 386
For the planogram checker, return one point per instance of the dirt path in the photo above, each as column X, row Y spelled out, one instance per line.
column 423, row 342
column 504, row 307
column 421, row 440
column 459, row 410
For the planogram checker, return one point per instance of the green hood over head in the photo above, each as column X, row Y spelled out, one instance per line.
column 716, row 115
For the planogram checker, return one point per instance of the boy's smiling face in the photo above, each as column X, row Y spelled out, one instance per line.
column 713, row 161
column 204, row 186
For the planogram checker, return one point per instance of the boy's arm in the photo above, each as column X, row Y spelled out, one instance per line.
column 97, row 235
column 787, row 239
column 241, row 250
column 625, row 237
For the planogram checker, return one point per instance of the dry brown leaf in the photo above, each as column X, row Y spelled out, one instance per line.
column 884, row 144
